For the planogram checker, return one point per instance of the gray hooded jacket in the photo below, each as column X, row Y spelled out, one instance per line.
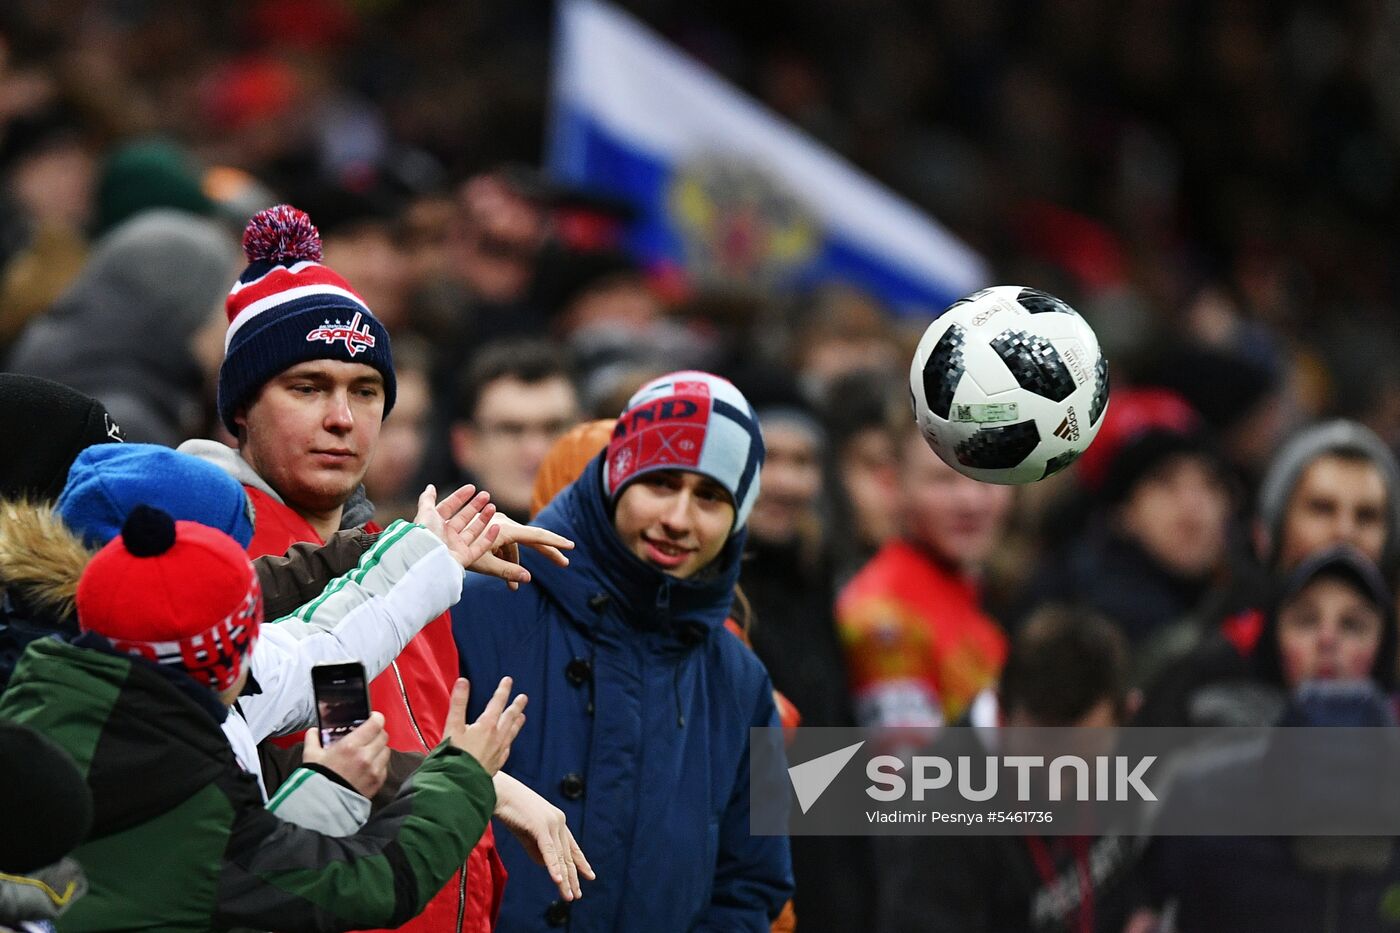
column 122, row 331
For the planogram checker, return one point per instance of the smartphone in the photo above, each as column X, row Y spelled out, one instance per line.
column 342, row 698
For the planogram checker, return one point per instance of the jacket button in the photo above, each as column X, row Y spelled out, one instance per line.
column 557, row 914
column 579, row 670
column 572, row 789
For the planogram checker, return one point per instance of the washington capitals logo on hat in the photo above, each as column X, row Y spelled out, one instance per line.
column 357, row 337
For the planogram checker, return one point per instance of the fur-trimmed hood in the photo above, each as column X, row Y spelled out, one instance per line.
column 40, row 563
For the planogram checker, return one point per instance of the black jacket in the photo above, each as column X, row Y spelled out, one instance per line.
column 794, row 635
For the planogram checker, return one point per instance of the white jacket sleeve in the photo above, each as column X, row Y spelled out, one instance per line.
column 313, row 801
column 308, row 797
column 368, row 615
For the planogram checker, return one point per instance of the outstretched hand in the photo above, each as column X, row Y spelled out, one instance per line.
column 462, row 521
column 504, row 559
column 488, row 739
column 544, row 833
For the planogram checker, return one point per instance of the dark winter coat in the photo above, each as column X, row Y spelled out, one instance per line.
column 794, row 635
column 181, row 839
column 1253, row 884
column 637, row 728
column 962, row 883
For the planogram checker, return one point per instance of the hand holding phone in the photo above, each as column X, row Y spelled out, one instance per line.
column 349, row 739
column 342, row 699
column 361, row 759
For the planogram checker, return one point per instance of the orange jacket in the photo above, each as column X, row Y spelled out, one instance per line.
column 918, row 645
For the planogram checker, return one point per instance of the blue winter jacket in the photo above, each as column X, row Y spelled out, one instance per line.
column 637, row 728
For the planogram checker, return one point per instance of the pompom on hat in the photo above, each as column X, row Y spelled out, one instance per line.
column 175, row 593
column 694, row 421
column 287, row 308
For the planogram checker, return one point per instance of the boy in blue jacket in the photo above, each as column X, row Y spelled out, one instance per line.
column 643, row 706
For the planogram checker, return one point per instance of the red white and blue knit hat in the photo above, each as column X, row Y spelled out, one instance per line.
column 287, row 308
column 693, row 421
column 175, row 593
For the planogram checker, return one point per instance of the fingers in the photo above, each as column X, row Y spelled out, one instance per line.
column 571, row 873
column 456, row 721
column 311, row 749
column 426, row 498
column 496, row 705
column 549, row 855
column 548, row 543
column 580, row 860
column 504, row 730
column 507, row 550
column 477, row 542
column 535, row 536
column 472, row 544
column 492, row 566
column 511, row 721
column 379, row 742
column 489, row 738
column 453, row 504
column 466, row 516
column 470, row 521
column 368, row 733
column 553, row 553
column 381, row 764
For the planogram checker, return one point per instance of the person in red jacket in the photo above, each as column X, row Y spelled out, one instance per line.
column 918, row 644
column 305, row 384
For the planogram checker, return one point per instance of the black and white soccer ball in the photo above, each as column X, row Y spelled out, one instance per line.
column 1009, row 385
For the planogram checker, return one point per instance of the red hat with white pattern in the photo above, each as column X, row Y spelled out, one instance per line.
column 175, row 593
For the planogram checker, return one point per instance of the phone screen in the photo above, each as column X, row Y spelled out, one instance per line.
column 342, row 698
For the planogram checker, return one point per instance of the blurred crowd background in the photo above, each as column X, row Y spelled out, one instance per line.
column 1212, row 184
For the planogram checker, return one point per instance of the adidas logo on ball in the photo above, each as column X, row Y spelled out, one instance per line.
column 1069, row 428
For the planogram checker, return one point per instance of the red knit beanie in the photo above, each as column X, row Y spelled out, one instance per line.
column 176, row 593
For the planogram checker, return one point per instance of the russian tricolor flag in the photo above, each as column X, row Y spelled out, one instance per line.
column 725, row 189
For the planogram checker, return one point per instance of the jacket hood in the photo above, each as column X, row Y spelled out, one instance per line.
column 357, row 510
column 127, row 313
column 227, row 459
column 1340, row 563
column 145, row 741
column 601, row 566
column 40, row 562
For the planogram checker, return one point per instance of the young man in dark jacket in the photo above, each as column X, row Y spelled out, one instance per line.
column 180, row 839
column 643, row 737
column 1065, row 668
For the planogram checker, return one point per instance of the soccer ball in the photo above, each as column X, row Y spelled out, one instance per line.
column 1009, row 385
